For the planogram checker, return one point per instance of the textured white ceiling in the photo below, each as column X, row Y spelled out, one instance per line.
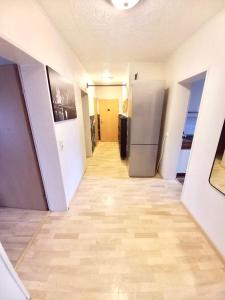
column 106, row 38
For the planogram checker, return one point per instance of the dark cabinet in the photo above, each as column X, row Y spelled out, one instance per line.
column 122, row 136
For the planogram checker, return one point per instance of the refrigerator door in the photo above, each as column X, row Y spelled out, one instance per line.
column 142, row 161
column 147, row 104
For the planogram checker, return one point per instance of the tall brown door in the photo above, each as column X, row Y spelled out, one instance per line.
column 20, row 180
column 109, row 110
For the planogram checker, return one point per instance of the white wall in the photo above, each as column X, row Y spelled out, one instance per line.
column 146, row 71
column 205, row 50
column 38, row 103
column 24, row 25
column 70, row 140
column 112, row 92
column 87, row 125
column 11, row 287
column 193, row 108
column 91, row 99
column 108, row 92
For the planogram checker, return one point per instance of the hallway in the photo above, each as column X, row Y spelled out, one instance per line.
column 123, row 238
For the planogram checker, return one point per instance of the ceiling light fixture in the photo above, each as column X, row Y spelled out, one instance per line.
column 124, row 4
column 106, row 76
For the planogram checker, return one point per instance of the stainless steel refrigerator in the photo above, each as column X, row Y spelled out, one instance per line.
column 145, row 112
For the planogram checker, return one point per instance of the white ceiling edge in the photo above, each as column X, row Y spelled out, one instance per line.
column 204, row 10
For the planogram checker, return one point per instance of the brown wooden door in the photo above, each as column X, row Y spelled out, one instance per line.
column 109, row 120
column 20, row 180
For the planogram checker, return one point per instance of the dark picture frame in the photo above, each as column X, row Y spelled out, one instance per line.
column 62, row 96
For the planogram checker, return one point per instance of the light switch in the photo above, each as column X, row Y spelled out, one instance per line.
column 61, row 145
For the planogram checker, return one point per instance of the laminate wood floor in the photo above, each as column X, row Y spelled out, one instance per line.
column 17, row 227
column 123, row 238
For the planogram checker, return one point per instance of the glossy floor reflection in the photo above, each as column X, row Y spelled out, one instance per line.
column 123, row 238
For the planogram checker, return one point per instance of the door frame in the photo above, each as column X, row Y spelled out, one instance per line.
column 86, row 123
column 184, row 93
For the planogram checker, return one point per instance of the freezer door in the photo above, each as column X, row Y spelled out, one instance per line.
column 142, row 162
column 147, row 104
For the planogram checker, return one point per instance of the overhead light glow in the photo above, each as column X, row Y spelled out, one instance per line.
column 124, row 4
column 106, row 76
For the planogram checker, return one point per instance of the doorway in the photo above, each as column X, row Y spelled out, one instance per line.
column 87, row 123
column 195, row 86
column 109, row 110
column 20, row 179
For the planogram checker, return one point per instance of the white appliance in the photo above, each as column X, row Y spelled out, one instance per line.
column 145, row 113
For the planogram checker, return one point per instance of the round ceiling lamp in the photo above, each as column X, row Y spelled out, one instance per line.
column 124, row 4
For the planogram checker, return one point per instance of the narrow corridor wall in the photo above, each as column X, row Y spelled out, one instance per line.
column 24, row 24
column 205, row 50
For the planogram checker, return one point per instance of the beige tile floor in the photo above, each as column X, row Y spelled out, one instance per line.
column 17, row 227
column 122, row 239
